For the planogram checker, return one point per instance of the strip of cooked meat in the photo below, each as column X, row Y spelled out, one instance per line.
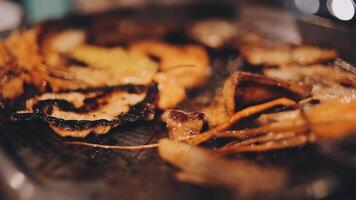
column 182, row 125
column 243, row 89
column 181, row 68
column 79, row 113
column 117, row 65
column 54, row 44
column 268, row 53
column 327, row 82
column 113, row 66
column 26, row 67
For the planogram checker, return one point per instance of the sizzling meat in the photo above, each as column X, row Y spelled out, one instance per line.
column 327, row 82
column 79, row 113
column 181, row 68
column 182, row 125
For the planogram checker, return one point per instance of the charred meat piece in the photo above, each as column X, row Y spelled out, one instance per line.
column 25, row 62
column 243, row 89
column 26, row 67
column 182, row 125
column 79, row 113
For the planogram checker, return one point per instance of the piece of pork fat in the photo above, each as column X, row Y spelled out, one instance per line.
column 182, row 67
column 182, row 125
column 243, row 89
column 78, row 113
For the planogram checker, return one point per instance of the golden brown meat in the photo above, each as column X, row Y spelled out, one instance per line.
column 327, row 82
column 113, row 66
column 77, row 114
column 182, row 125
column 181, row 68
column 243, row 89
column 55, row 44
column 329, row 120
column 266, row 53
column 26, row 66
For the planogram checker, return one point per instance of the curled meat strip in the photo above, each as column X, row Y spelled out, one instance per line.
column 243, row 89
column 181, row 68
column 79, row 113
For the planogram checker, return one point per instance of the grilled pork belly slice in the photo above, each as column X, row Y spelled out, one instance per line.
column 182, row 67
column 182, row 125
column 119, row 66
column 29, row 65
column 54, row 44
column 243, row 89
column 79, row 113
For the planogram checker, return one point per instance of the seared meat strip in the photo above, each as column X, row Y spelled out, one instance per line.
column 243, row 89
column 182, row 67
column 327, row 82
column 261, row 52
column 79, row 113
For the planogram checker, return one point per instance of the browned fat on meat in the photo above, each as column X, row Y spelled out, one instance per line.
column 182, row 125
column 30, row 65
column 327, row 82
column 278, row 54
column 77, row 114
column 243, row 89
